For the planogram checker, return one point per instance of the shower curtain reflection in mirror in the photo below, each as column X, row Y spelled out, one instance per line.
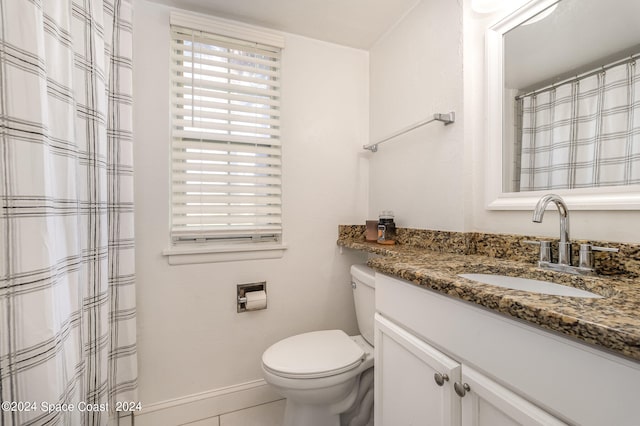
column 580, row 134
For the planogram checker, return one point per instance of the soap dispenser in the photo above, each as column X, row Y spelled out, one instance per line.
column 386, row 228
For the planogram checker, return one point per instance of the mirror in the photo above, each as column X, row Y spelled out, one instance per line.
column 564, row 104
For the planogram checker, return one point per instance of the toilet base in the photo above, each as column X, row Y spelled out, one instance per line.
column 308, row 415
column 356, row 408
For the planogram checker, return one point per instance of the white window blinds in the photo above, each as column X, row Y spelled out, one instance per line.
column 226, row 156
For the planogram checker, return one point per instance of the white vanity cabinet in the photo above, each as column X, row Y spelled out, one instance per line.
column 416, row 385
column 406, row 391
column 486, row 403
column 515, row 373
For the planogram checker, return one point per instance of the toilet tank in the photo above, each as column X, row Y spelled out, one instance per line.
column 363, row 283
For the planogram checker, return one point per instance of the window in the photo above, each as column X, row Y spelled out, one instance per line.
column 226, row 154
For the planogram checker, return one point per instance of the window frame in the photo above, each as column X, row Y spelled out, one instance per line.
column 214, row 246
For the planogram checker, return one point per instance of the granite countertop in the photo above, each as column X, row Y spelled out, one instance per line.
column 611, row 323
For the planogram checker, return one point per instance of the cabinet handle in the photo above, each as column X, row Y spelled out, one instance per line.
column 461, row 389
column 440, row 378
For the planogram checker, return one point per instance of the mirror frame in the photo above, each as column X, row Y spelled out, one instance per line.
column 601, row 198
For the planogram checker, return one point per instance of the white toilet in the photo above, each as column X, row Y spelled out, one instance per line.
column 319, row 373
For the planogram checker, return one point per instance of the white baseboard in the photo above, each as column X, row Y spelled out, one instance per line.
column 207, row 404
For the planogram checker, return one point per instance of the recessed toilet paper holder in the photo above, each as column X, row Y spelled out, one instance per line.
column 243, row 289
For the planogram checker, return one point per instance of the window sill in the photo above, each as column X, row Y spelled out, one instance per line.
column 191, row 254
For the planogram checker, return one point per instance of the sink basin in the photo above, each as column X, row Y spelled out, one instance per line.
column 533, row 286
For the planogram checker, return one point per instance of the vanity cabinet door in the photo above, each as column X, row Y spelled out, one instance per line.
column 486, row 403
column 406, row 391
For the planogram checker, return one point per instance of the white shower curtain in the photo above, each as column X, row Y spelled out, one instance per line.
column 584, row 133
column 67, row 295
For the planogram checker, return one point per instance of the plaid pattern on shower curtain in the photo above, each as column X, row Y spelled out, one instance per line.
column 67, row 295
column 584, row 133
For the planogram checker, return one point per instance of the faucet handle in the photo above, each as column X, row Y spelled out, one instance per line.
column 586, row 254
column 537, row 243
column 598, row 248
column 545, row 249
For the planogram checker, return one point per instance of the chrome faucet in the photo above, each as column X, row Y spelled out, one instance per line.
column 564, row 247
column 586, row 265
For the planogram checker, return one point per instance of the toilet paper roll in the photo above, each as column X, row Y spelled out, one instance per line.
column 256, row 300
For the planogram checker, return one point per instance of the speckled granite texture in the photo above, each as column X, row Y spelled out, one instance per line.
column 504, row 246
column 427, row 259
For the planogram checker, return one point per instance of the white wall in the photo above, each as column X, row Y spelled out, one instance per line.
column 190, row 338
column 621, row 226
column 435, row 177
column 416, row 70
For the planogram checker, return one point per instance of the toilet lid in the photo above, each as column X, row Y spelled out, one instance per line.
column 315, row 354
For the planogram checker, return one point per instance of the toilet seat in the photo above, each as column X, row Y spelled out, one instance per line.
column 313, row 355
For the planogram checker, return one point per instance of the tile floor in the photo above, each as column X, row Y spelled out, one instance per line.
column 270, row 414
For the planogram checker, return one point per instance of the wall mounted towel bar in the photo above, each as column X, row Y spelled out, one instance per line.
column 445, row 118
